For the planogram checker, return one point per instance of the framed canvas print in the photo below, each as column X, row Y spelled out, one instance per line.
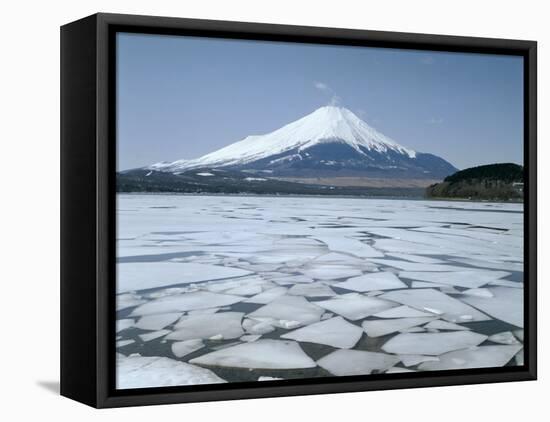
column 253, row 210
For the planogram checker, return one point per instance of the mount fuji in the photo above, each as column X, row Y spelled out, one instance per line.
column 330, row 142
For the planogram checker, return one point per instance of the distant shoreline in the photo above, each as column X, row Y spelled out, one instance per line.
column 254, row 195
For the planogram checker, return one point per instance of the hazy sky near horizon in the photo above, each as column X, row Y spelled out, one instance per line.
column 183, row 97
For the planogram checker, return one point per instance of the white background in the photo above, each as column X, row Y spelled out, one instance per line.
column 29, row 269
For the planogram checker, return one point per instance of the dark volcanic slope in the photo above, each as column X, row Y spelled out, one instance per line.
column 215, row 181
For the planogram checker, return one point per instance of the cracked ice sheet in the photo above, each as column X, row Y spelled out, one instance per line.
column 355, row 306
column 158, row 321
column 224, row 324
column 143, row 372
column 134, row 276
column 267, row 296
column 183, row 348
column 356, row 362
column 402, row 312
column 316, row 289
column 350, row 246
column 232, row 285
column 479, row 357
column 506, row 304
column 445, row 325
column 185, row 302
column 261, row 354
column 330, row 271
column 464, row 278
column 288, row 309
column 382, row 327
column 432, row 343
column 335, row 332
column 434, row 301
column 416, row 266
column 382, row 280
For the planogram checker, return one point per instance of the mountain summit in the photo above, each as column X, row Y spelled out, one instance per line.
column 331, row 141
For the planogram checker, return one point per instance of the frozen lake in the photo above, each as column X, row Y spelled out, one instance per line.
column 215, row 289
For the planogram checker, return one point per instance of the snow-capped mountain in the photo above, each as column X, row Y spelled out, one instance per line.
column 331, row 141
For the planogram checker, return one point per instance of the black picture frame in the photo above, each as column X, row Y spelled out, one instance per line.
column 88, row 209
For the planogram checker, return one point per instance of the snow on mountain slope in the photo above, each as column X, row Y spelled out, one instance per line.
column 329, row 139
column 324, row 125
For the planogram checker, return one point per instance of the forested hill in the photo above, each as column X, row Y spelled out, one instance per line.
column 489, row 182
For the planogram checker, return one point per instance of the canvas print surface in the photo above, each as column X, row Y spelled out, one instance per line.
column 291, row 211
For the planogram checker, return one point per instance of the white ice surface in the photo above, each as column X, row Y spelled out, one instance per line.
column 147, row 275
column 153, row 335
column 445, row 325
column 143, row 372
column 413, row 360
column 183, row 348
column 123, row 324
column 356, row 306
column 266, row 354
column 267, row 296
column 289, row 308
column 402, row 311
column 186, row 302
column 356, row 362
column 479, row 357
column 224, row 324
column 316, row 289
column 350, row 246
column 464, row 278
column 157, row 321
column 382, row 280
column 335, row 332
column 378, row 328
column 506, row 304
column 434, row 301
column 432, row 343
column 505, row 337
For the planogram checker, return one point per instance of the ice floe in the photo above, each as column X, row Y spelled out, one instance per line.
column 464, row 278
column 330, row 271
column 186, row 302
column 143, row 372
column 506, row 304
column 478, row 357
column 350, row 246
column 264, row 354
column 257, row 327
column 282, row 311
column 356, row 362
column 432, row 343
column 157, row 321
column 134, row 276
column 413, row 360
column 382, row 280
column 267, row 296
column 123, row 324
column 445, row 325
column 382, row 327
column 316, row 289
column 335, row 332
column 225, row 325
column 480, row 292
column 434, row 301
column 505, row 337
column 128, row 300
column 356, row 306
column 184, row 348
column 122, row 343
column 153, row 335
column 402, row 311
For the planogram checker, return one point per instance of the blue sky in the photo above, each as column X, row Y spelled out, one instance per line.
column 182, row 97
